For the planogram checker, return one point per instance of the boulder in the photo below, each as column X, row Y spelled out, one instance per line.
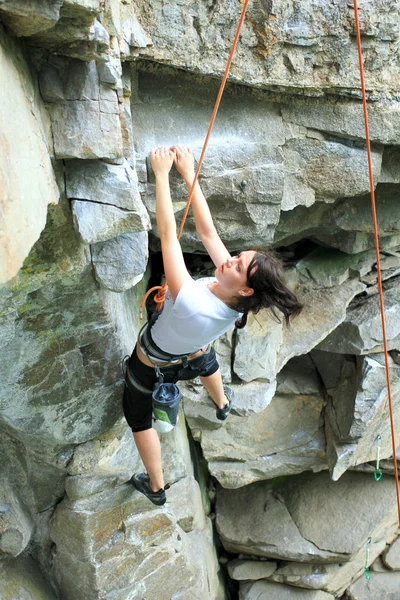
column 85, row 122
column 332, row 578
column 307, row 517
column 358, row 399
column 120, row 263
column 345, row 119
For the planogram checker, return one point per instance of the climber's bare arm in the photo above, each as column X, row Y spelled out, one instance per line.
column 175, row 269
column 205, row 227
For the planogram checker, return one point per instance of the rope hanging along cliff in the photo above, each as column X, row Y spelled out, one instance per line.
column 162, row 289
column 376, row 239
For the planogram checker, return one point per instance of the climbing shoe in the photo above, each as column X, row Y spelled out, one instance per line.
column 141, row 481
column 222, row 413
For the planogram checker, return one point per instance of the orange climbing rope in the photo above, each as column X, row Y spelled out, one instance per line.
column 378, row 262
column 162, row 289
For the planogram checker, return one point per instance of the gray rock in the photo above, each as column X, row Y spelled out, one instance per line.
column 307, row 517
column 361, row 331
column 346, row 225
column 301, row 57
column 101, row 182
column 357, row 403
column 390, row 165
column 332, row 578
column 120, row 263
column 82, row 130
column 24, row 198
column 323, row 310
column 244, row 164
column 282, row 439
column 185, row 499
column 121, row 531
column 110, row 71
column 99, row 222
column 378, row 566
column 381, row 586
column 391, row 556
column 345, row 119
column 28, row 17
column 242, row 570
column 264, row 590
column 22, row 579
column 16, row 525
column 328, row 169
column 265, row 346
column 326, row 267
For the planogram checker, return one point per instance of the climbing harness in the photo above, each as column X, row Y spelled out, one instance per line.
column 162, row 289
column 378, row 261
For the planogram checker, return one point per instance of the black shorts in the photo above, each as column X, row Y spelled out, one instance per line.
column 137, row 403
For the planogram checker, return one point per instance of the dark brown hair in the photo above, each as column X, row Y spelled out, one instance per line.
column 265, row 275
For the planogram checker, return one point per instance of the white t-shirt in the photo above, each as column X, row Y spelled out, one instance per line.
column 195, row 319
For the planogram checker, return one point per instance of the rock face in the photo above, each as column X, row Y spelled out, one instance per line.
column 24, row 199
column 87, row 88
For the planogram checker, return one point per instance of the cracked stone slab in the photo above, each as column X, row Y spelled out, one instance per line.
column 332, row 578
column 100, row 222
column 346, row 119
column 307, row 517
column 101, row 182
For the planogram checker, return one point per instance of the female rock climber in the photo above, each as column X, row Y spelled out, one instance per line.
column 195, row 313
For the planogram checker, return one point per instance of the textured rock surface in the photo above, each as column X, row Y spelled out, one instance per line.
column 24, row 199
column 286, row 166
column 283, row 439
column 120, row 263
column 261, row 590
column 22, row 579
column 100, row 182
column 254, row 519
column 361, row 331
column 391, row 556
column 243, row 570
column 381, row 586
column 101, row 222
